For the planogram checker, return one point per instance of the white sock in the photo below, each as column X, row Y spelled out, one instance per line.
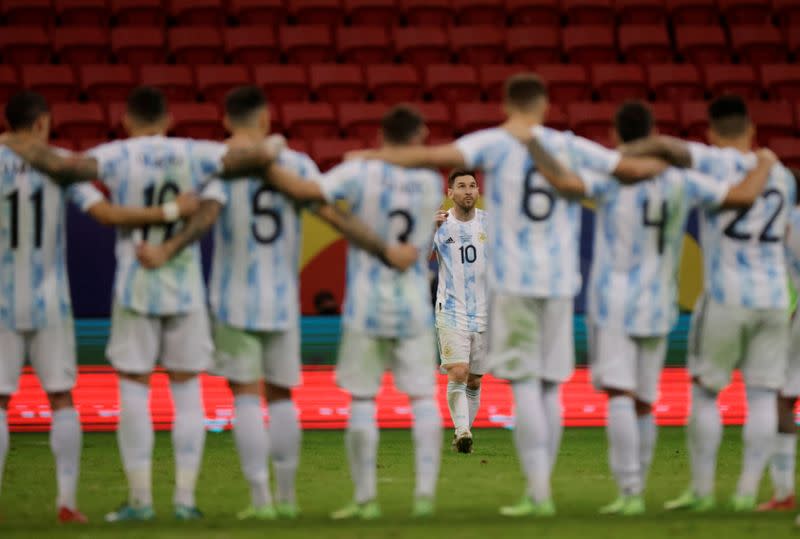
column 648, row 433
column 759, row 435
column 135, row 439
column 427, row 432
column 623, row 444
column 252, row 444
column 782, row 465
column 554, row 413
column 65, row 442
column 531, row 438
column 188, row 438
column 457, row 402
column 705, row 434
column 285, row 436
column 361, row 440
column 3, row 443
column 473, row 402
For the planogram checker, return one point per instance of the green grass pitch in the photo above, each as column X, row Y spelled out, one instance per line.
column 470, row 490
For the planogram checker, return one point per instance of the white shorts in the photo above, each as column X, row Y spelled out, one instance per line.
column 181, row 342
column 51, row 352
column 459, row 346
column 791, row 385
column 728, row 337
column 364, row 358
column 625, row 362
column 244, row 356
column 531, row 337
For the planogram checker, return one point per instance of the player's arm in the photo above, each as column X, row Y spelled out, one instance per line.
column 745, row 193
column 109, row 214
column 442, row 156
column 637, row 169
column 292, row 185
column 563, row 180
column 250, row 160
column 672, row 150
column 62, row 168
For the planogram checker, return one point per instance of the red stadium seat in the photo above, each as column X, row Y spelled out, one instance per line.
column 259, row 12
column 364, row 44
column 198, row 12
column 309, row 120
column 772, row 120
column 746, row 11
column 282, row 83
column 392, row 84
column 24, row 45
column 28, row 12
column 196, row 45
column 82, row 45
column 666, row 119
column 787, row 149
column 758, row 44
column 337, row 83
column 590, row 44
column 79, row 120
column 327, row 152
column 469, row 117
column 307, row 44
column 534, row 12
column 732, row 79
column 702, row 44
column 215, row 81
column 138, row 45
column 361, row 120
column 477, row 45
column 150, row 13
column 114, row 113
column 694, row 119
column 252, row 45
column 614, row 82
column 450, row 83
column 107, row 83
column 794, row 43
column 299, row 145
column 557, row 117
column 437, row 119
column 174, row 80
column 9, row 83
column 317, row 11
column 470, row 12
column 641, row 11
column 533, row 45
column 64, row 143
column 781, row 81
column 372, row 12
column 675, row 82
column 493, row 78
column 196, row 120
column 788, row 13
column 82, row 12
column 422, row 45
column 55, row 83
column 566, row 83
column 83, row 145
column 692, row 11
column 591, row 120
column 428, row 12
column 645, row 44
column 589, row 11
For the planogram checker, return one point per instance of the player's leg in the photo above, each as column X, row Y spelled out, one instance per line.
column 782, row 464
column 454, row 352
column 478, row 366
column 473, row 396
column 12, row 358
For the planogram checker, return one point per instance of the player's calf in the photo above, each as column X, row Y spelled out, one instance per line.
column 457, row 378
column 782, row 463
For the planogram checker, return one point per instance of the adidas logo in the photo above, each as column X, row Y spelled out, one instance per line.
column 450, row 240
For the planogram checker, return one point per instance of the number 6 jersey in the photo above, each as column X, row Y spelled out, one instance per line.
column 461, row 250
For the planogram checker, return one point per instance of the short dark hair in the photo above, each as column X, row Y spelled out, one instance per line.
column 728, row 116
column 24, row 108
column 457, row 173
column 524, row 89
column 147, row 104
column 400, row 124
column 633, row 120
column 242, row 102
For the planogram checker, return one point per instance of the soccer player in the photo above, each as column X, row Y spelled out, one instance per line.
column 35, row 308
column 461, row 302
column 157, row 313
column 632, row 291
column 533, row 267
column 740, row 321
column 254, row 301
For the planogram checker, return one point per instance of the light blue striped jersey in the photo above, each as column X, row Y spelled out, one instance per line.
column 744, row 260
column 148, row 171
column 461, row 301
column 793, row 247
column 34, row 287
column 398, row 204
column 638, row 236
column 533, row 233
column 254, row 275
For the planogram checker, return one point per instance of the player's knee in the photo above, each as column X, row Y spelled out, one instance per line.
column 643, row 408
column 179, row 377
column 60, row 400
column 458, row 372
column 138, row 378
column 474, row 381
column 275, row 393
column 253, row 388
column 786, row 422
column 4, row 400
column 614, row 392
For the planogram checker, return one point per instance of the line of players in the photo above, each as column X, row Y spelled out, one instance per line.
column 531, row 254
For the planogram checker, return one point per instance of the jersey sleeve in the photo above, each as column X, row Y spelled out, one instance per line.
column 215, row 190
column 702, row 157
column 597, row 184
column 703, row 190
column 110, row 157
column 309, row 169
column 473, row 148
column 583, row 153
column 85, row 195
column 206, row 160
column 342, row 182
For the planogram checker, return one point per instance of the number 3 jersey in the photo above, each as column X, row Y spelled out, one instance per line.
column 743, row 252
column 461, row 251
column 148, row 171
column 254, row 281
column 533, row 233
column 34, row 287
column 398, row 204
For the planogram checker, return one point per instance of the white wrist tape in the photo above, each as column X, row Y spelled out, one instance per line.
column 171, row 211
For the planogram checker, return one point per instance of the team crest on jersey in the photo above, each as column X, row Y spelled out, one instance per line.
column 482, row 237
column 447, row 351
column 450, row 240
